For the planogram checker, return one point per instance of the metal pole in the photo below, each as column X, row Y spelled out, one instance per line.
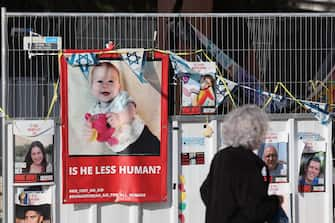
column 3, row 105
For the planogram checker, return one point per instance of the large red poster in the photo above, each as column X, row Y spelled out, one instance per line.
column 114, row 127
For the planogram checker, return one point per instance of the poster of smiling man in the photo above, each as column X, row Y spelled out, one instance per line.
column 114, row 109
column 274, row 153
column 312, row 166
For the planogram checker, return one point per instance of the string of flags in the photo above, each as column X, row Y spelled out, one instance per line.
column 224, row 88
column 319, row 110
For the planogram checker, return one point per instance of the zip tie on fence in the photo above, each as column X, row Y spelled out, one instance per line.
column 54, row 99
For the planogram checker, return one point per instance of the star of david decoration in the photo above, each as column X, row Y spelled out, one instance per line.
column 133, row 58
column 83, row 59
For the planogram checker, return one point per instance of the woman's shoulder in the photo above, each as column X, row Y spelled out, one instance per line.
column 239, row 156
column 233, row 151
column 230, row 153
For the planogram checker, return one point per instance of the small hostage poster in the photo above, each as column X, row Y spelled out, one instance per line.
column 114, row 111
column 33, row 151
column 33, row 204
column 198, row 93
column 274, row 153
column 311, row 165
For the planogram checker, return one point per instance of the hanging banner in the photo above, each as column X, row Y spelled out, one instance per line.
column 115, row 130
column 33, row 150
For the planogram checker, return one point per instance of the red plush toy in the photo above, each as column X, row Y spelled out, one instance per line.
column 102, row 132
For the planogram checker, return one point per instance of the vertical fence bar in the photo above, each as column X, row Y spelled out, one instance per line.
column 3, row 106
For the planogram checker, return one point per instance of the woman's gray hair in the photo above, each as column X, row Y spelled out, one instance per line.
column 245, row 126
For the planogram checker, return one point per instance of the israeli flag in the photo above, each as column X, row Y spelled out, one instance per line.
column 83, row 60
column 221, row 90
column 318, row 109
column 134, row 58
column 181, row 67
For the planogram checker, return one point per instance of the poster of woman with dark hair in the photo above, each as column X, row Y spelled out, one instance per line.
column 33, row 150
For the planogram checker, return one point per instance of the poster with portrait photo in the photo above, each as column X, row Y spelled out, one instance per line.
column 33, row 151
column 198, row 94
column 115, row 131
column 33, row 203
column 274, row 152
column 312, row 166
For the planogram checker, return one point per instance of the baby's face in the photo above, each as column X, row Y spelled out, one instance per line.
column 105, row 84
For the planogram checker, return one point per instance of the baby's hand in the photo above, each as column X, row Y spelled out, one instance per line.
column 113, row 119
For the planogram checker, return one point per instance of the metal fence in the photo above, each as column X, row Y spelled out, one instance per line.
column 295, row 50
column 291, row 55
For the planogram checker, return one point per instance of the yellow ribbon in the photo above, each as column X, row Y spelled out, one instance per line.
column 316, row 83
column 280, row 84
column 54, row 98
column 313, row 84
column 323, row 85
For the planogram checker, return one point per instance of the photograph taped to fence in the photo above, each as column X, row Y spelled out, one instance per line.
column 33, row 203
column 274, row 153
column 198, row 93
column 33, row 150
column 115, row 128
column 312, row 166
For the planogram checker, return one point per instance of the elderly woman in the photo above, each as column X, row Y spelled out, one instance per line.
column 235, row 190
